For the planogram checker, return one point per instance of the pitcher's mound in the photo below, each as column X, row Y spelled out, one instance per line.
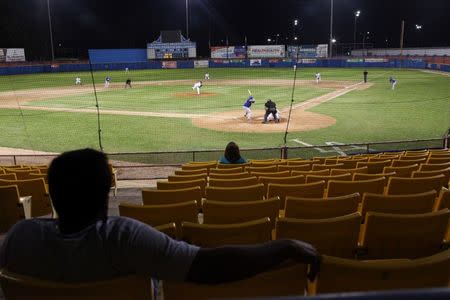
column 194, row 94
column 235, row 121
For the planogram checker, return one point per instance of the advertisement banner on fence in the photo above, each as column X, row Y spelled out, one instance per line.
column 255, row 63
column 308, row 51
column 2, row 55
column 201, row 64
column 308, row 61
column 355, row 60
column 233, row 52
column 169, row 64
column 15, row 54
column 269, row 51
column 376, row 60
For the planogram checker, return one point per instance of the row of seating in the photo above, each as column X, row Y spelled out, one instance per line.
column 336, row 275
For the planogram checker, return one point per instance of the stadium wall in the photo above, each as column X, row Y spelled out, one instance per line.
column 221, row 63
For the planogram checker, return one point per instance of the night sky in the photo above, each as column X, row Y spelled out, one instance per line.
column 82, row 24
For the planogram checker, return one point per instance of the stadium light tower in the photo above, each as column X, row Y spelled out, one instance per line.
column 357, row 14
column 187, row 19
column 50, row 29
column 330, row 50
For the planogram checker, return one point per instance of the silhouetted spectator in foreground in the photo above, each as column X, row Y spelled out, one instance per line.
column 84, row 244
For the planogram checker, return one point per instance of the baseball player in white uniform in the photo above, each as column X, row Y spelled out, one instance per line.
column 207, row 76
column 107, row 81
column 393, row 82
column 318, row 78
column 78, row 80
column 197, row 87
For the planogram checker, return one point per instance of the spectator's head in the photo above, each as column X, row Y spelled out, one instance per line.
column 232, row 152
column 79, row 184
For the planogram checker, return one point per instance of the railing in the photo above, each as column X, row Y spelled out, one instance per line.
column 155, row 165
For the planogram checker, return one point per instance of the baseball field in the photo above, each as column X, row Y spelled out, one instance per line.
column 161, row 112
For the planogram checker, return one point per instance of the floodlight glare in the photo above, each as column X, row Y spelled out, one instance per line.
column 269, row 40
column 357, row 13
column 295, row 38
column 418, row 27
column 295, row 22
column 333, row 41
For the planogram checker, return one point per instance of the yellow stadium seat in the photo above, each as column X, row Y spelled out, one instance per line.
column 334, row 236
column 306, row 173
column 175, row 178
column 374, row 167
column 40, row 201
column 310, row 208
column 437, row 160
column 155, row 215
column 229, row 176
column 433, row 167
column 378, row 159
column 326, row 178
column 20, row 287
column 443, row 200
column 319, row 167
column 306, row 167
column 9, row 176
column 398, row 204
column 9, row 213
column 352, row 171
column 445, row 172
column 20, row 174
column 406, row 163
column 247, row 193
column 413, row 157
column 357, row 176
column 229, row 170
column 215, row 235
column 268, row 169
column 387, row 236
column 321, row 160
column 197, row 166
column 233, row 166
column 340, row 188
column 156, row 197
column 221, row 212
column 191, row 172
column 285, row 280
column 300, row 179
column 239, row 182
column 168, row 229
column 397, row 185
column 338, row 275
column 402, row 171
column 166, row 185
column 271, row 174
column 264, row 163
column 307, row 190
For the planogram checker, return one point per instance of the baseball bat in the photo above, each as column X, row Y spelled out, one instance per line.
column 250, row 93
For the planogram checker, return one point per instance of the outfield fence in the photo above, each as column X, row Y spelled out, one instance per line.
column 156, row 165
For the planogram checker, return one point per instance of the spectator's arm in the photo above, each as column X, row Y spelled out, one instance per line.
column 225, row 264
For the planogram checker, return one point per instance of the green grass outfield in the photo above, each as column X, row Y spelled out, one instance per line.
column 418, row 108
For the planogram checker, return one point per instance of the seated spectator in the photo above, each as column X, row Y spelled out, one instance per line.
column 84, row 244
column 232, row 155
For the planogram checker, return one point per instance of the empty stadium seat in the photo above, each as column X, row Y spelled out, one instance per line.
column 300, row 179
column 319, row 167
column 239, row 182
column 229, row 170
column 433, row 167
column 268, row 169
column 443, row 200
column 402, row 171
column 406, row 163
column 305, row 167
column 310, row 208
column 374, row 167
column 155, row 197
column 247, row 193
column 9, row 214
column 397, row 185
column 362, row 170
column 340, row 188
column 191, row 172
column 271, row 174
column 229, row 176
column 333, row 236
column 357, row 176
column 176, row 178
column 307, row 190
column 168, row 229
column 326, row 178
column 166, row 185
column 445, row 172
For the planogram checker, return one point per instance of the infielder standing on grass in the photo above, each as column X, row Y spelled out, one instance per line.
column 393, row 82
column 197, row 86
column 78, row 80
column 246, row 107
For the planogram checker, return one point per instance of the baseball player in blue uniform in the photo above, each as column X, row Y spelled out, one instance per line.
column 393, row 82
column 107, row 81
column 246, row 107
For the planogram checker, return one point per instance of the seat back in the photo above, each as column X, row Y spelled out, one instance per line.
column 215, row 235
column 405, row 163
column 229, row 176
column 233, row 166
column 334, row 236
column 398, row 204
column 362, row 170
column 196, row 166
column 156, row 197
column 443, row 200
column 271, row 174
column 239, row 182
column 326, row 178
column 221, row 212
column 341, row 188
column 304, row 167
column 358, row 177
column 299, row 179
column 433, row 167
column 399, row 186
column 230, row 169
column 40, row 202
column 306, row 173
column 9, row 176
column 304, row 208
column 9, row 215
column 388, row 236
column 268, row 169
column 402, row 171
column 176, row 178
column 166, row 185
column 438, row 160
column 285, row 280
column 20, row 174
column 20, row 287
column 319, row 167
column 339, row 275
column 170, row 229
column 191, row 172
column 246, row 193
column 307, row 190
column 155, row 215
column 374, row 167
column 445, row 172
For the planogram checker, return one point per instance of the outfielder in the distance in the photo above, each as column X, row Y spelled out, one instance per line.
column 246, row 107
column 197, row 87
column 318, row 78
column 78, row 80
column 393, row 82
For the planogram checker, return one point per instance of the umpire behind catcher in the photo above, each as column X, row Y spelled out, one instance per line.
column 271, row 108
